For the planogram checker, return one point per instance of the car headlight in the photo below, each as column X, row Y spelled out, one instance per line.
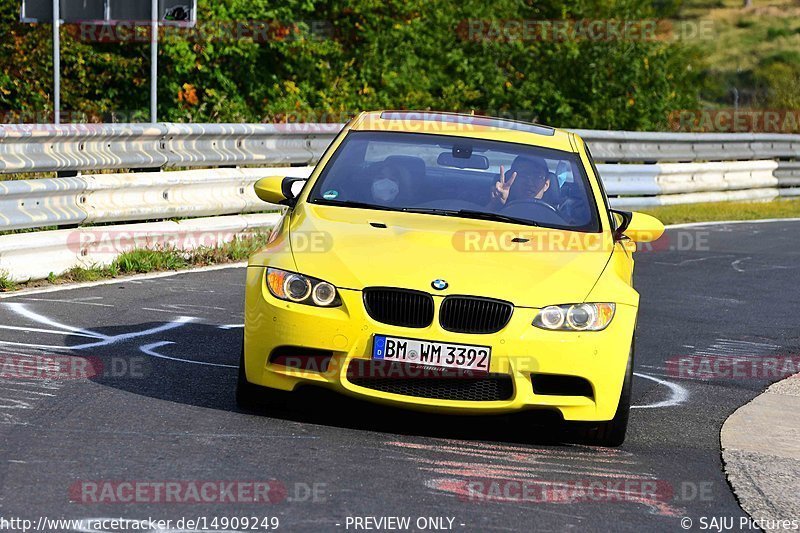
column 301, row 289
column 575, row 317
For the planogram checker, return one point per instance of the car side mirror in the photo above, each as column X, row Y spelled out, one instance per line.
column 637, row 227
column 278, row 189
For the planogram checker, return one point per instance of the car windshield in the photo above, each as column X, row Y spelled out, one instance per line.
column 458, row 176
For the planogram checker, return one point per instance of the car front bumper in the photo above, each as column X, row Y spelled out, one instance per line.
column 518, row 351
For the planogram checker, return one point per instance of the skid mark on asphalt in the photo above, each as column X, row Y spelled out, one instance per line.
column 552, row 475
column 738, row 348
column 19, row 395
column 714, row 361
column 24, row 396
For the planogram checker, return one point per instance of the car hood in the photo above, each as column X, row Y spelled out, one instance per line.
column 357, row 248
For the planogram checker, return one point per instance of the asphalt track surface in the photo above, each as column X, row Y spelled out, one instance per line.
column 171, row 414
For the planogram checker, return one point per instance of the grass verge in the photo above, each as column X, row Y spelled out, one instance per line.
column 5, row 282
column 709, row 212
column 143, row 261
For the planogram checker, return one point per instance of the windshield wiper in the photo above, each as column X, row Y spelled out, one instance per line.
column 470, row 213
column 486, row 215
column 463, row 213
column 360, row 205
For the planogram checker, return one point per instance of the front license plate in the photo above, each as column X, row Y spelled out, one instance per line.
column 437, row 354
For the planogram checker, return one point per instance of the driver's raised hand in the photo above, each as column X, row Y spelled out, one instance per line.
column 503, row 186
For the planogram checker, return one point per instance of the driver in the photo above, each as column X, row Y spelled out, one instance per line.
column 527, row 179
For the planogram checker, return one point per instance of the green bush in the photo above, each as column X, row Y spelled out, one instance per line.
column 780, row 82
column 332, row 59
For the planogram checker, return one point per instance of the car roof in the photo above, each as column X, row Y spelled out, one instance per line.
column 463, row 125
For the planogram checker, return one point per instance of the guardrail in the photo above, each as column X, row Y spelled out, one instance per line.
column 108, row 198
column 90, row 147
column 636, row 185
column 655, row 147
column 638, row 169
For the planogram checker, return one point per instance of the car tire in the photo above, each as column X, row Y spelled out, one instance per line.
column 612, row 433
column 250, row 397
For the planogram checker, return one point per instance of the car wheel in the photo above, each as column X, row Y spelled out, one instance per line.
column 250, row 397
column 612, row 433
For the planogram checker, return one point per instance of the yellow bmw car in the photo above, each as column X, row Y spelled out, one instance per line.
column 448, row 263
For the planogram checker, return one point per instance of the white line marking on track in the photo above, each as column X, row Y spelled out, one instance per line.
column 149, row 349
column 53, row 331
column 687, row 261
column 103, row 340
column 679, row 394
column 76, row 301
column 38, row 346
column 738, row 262
column 180, row 321
column 20, row 309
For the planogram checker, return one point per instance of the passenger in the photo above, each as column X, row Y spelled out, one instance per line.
column 388, row 184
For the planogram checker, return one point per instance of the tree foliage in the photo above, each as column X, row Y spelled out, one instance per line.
column 329, row 59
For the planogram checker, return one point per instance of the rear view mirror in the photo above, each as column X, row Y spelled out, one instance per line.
column 279, row 190
column 474, row 161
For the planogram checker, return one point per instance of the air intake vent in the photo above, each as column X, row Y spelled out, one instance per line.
column 488, row 388
column 467, row 314
column 399, row 307
column 558, row 385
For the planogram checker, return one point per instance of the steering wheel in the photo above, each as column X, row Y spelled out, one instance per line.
column 531, row 201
